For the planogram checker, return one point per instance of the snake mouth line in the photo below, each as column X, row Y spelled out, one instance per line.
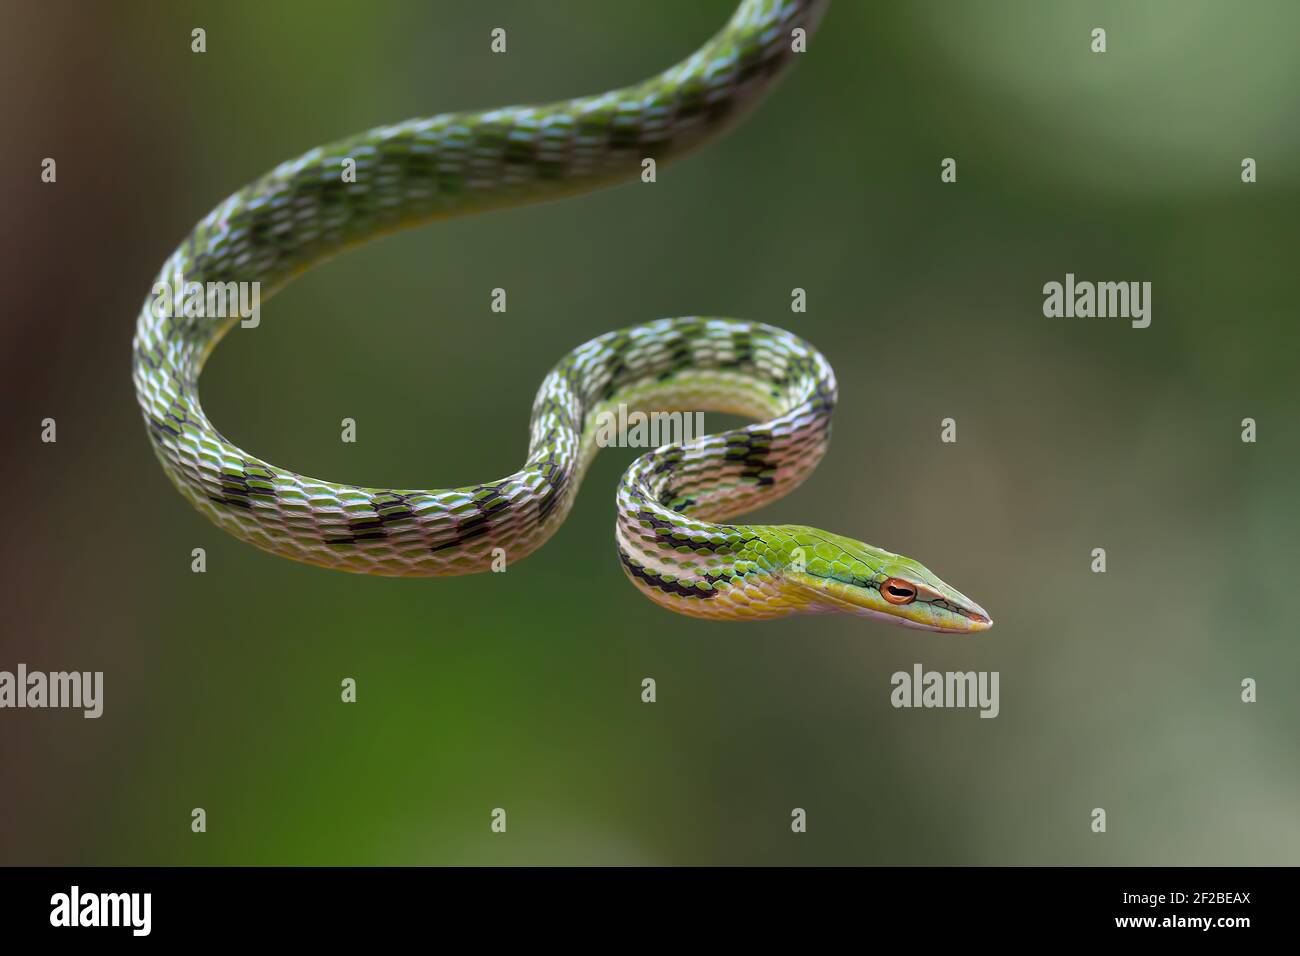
column 974, row 615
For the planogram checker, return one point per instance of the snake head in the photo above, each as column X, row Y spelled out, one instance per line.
column 829, row 572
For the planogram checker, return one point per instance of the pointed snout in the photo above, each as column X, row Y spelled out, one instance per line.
column 976, row 619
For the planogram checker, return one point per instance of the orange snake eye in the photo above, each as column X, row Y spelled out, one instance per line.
column 898, row 592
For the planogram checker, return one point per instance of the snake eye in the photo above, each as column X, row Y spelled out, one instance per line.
column 897, row 591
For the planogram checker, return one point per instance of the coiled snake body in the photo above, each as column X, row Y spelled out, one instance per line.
column 670, row 500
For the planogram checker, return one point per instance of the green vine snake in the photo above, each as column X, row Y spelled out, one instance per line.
column 673, row 501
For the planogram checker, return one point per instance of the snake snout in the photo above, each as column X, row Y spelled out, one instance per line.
column 978, row 618
column 955, row 613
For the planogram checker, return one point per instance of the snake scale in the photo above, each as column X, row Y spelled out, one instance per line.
column 672, row 500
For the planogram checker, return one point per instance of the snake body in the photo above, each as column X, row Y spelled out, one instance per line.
column 671, row 501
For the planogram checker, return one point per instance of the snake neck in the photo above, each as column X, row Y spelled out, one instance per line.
column 670, row 500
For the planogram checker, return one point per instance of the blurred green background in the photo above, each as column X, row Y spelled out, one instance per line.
column 522, row 690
